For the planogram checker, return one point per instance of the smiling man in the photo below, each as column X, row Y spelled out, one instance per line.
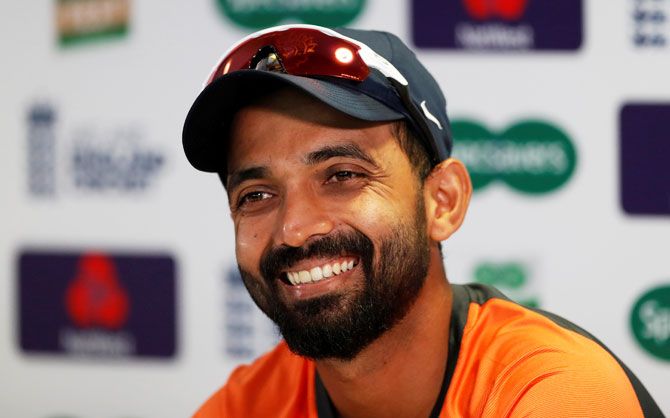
column 334, row 149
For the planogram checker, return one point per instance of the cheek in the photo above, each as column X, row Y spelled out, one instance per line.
column 250, row 240
column 373, row 216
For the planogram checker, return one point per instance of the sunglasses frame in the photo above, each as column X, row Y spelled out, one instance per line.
column 369, row 57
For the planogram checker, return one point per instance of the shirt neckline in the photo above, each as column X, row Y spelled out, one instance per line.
column 459, row 315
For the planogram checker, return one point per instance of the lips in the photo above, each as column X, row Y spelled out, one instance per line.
column 308, row 275
column 326, row 265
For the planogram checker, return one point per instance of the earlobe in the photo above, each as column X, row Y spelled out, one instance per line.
column 447, row 192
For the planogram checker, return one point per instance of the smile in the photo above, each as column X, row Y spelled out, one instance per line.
column 321, row 272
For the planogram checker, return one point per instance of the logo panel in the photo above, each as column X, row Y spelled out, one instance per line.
column 531, row 156
column 97, row 304
column 91, row 159
column 41, row 150
column 500, row 25
column 265, row 13
column 644, row 149
column 513, row 278
column 247, row 331
column 650, row 322
column 80, row 21
column 650, row 23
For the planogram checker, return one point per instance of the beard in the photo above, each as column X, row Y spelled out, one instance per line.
column 341, row 325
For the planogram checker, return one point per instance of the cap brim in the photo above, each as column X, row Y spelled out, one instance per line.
column 206, row 127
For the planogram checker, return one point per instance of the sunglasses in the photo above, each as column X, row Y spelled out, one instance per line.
column 308, row 50
column 305, row 50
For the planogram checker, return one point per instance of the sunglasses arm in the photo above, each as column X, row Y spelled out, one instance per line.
column 376, row 61
column 436, row 148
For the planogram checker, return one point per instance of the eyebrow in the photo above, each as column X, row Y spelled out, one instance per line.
column 239, row 176
column 345, row 150
column 331, row 151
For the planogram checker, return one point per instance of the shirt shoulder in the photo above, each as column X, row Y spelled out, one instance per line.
column 517, row 362
column 278, row 384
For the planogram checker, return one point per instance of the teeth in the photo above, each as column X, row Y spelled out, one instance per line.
column 319, row 272
column 316, row 274
column 304, row 276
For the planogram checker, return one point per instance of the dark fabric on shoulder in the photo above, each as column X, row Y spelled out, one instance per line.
column 647, row 403
column 481, row 293
column 459, row 316
column 324, row 406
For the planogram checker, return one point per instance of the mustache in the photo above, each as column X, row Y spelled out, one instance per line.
column 280, row 258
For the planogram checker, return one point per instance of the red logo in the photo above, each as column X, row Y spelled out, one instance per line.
column 487, row 9
column 95, row 296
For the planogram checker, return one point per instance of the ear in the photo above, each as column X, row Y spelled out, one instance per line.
column 447, row 192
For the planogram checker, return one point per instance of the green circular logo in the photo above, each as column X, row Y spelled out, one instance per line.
column 650, row 322
column 509, row 275
column 257, row 14
column 512, row 278
column 531, row 156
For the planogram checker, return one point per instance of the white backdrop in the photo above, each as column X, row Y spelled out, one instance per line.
column 583, row 256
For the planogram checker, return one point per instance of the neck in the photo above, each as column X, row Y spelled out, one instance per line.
column 400, row 373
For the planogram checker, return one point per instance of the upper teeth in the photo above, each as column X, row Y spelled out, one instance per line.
column 319, row 272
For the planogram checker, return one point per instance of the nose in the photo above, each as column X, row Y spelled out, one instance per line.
column 303, row 215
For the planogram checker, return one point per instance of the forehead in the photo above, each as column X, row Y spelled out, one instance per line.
column 290, row 123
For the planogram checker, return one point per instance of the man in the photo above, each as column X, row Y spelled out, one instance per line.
column 333, row 147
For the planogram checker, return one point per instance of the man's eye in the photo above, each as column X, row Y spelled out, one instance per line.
column 343, row 175
column 253, row 197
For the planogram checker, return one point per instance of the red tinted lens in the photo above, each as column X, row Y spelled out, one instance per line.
column 302, row 52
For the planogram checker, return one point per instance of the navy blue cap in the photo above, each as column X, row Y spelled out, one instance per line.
column 377, row 98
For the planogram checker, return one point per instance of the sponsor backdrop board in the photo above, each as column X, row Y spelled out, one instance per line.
column 120, row 295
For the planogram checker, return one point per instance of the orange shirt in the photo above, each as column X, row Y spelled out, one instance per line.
column 505, row 360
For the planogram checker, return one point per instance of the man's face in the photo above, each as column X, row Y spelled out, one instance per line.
column 330, row 223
